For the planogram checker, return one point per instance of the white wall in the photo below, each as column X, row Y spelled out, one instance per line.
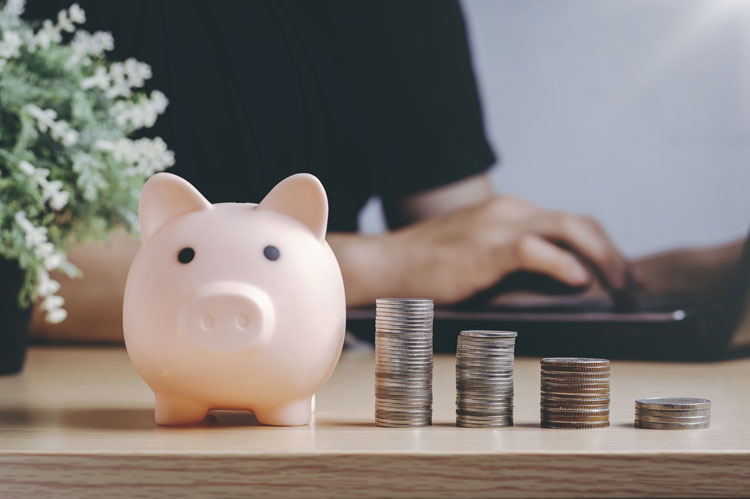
column 634, row 111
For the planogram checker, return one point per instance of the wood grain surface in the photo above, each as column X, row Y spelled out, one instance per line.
column 79, row 423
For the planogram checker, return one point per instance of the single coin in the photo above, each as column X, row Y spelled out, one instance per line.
column 671, row 426
column 673, row 403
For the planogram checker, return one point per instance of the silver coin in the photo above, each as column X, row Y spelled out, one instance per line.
column 464, row 349
column 401, row 332
column 488, row 426
column 389, row 424
column 481, row 333
column 573, row 411
column 671, row 426
column 403, row 322
column 418, row 384
column 574, row 374
column 575, row 426
column 387, row 353
column 394, row 417
column 672, row 414
column 577, row 419
column 419, row 304
column 547, row 385
column 499, row 401
column 483, row 423
column 480, row 348
column 475, row 373
column 484, row 417
column 681, row 420
column 398, row 344
column 419, row 410
column 574, row 361
column 563, row 405
column 414, row 395
column 673, row 403
column 425, row 351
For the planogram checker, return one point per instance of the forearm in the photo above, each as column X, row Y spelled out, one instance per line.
column 364, row 266
column 691, row 270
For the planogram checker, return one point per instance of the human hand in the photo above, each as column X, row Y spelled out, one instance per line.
column 454, row 256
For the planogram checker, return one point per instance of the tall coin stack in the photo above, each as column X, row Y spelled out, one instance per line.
column 575, row 393
column 484, row 378
column 403, row 362
column 674, row 413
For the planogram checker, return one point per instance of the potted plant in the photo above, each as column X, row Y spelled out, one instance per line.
column 70, row 170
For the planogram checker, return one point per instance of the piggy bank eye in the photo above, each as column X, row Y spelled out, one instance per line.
column 186, row 255
column 271, row 252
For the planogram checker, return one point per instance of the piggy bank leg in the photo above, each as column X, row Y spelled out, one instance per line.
column 176, row 411
column 295, row 413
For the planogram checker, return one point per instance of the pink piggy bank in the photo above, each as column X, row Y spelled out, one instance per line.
column 234, row 305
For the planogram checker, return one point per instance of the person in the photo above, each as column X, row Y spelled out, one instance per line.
column 374, row 98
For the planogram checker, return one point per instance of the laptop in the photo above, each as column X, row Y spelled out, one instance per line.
column 565, row 322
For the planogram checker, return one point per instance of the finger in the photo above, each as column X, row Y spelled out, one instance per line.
column 589, row 240
column 535, row 254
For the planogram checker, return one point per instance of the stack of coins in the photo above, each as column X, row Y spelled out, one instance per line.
column 575, row 393
column 403, row 362
column 484, row 378
column 676, row 413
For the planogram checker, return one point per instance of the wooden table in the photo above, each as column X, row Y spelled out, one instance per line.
column 79, row 422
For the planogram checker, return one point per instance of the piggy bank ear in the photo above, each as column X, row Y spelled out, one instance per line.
column 164, row 197
column 303, row 198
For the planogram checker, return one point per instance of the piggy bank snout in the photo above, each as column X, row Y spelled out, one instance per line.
column 228, row 316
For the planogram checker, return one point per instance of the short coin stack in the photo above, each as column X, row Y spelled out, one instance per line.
column 575, row 393
column 484, row 378
column 403, row 362
column 677, row 413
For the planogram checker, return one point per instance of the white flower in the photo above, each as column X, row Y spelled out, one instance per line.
column 85, row 44
column 77, row 14
column 10, row 45
column 99, row 79
column 44, row 250
column 53, row 261
column 147, row 156
column 60, row 130
column 47, row 34
column 64, row 23
column 51, row 189
column 56, row 316
column 142, row 113
column 52, row 302
column 14, row 8
column 46, row 285
column 127, row 75
column 59, row 200
column 35, row 236
column 26, row 167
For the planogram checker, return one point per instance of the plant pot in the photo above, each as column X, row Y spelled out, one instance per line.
column 14, row 322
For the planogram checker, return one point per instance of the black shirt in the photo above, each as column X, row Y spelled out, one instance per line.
column 375, row 98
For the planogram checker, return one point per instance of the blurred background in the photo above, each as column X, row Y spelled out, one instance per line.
column 635, row 111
